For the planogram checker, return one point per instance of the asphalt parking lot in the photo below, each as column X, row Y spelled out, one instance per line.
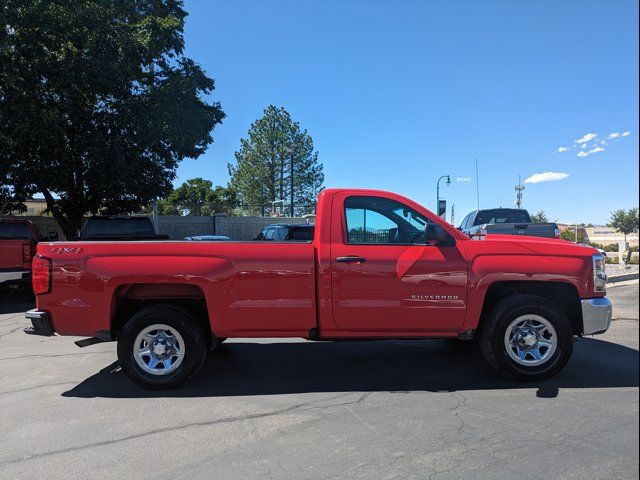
column 296, row 409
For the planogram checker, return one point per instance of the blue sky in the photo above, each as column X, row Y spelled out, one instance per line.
column 396, row 94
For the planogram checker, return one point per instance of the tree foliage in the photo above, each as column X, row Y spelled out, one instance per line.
column 198, row 197
column 570, row 235
column 262, row 173
column 540, row 217
column 625, row 221
column 98, row 103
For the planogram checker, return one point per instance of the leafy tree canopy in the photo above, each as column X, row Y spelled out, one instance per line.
column 198, row 197
column 98, row 103
column 262, row 173
column 540, row 217
column 625, row 221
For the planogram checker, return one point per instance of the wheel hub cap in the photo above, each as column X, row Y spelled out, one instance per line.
column 158, row 349
column 530, row 340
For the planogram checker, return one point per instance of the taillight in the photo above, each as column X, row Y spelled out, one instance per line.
column 27, row 252
column 41, row 275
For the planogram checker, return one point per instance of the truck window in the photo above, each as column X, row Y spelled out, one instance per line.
column 269, row 234
column 502, row 215
column 378, row 220
column 14, row 230
column 96, row 227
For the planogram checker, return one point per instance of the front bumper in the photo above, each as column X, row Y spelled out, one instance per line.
column 14, row 277
column 596, row 315
column 40, row 323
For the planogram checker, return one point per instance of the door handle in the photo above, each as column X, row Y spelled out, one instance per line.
column 351, row 259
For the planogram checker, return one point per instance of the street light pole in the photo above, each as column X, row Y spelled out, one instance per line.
column 438, row 190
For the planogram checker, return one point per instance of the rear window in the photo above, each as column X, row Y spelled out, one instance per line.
column 98, row 227
column 502, row 215
column 302, row 233
column 14, row 230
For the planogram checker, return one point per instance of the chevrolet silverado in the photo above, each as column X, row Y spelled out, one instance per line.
column 379, row 266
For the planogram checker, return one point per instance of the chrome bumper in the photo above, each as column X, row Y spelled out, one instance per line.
column 596, row 315
column 15, row 276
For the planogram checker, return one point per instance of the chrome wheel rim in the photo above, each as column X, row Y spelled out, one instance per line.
column 158, row 349
column 530, row 340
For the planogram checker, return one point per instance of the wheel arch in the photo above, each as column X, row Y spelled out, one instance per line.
column 563, row 294
column 132, row 297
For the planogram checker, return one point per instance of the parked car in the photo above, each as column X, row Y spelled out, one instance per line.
column 286, row 232
column 208, row 238
column 379, row 266
column 18, row 239
column 119, row 228
column 506, row 221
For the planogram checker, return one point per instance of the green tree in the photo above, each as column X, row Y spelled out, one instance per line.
column 569, row 234
column 540, row 217
column 98, row 103
column 10, row 199
column 262, row 173
column 198, row 197
column 625, row 221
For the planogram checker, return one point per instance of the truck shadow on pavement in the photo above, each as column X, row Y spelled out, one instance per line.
column 238, row 369
column 16, row 301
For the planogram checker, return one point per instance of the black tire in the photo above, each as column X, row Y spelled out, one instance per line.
column 195, row 346
column 492, row 338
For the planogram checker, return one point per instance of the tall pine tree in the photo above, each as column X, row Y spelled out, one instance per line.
column 262, row 173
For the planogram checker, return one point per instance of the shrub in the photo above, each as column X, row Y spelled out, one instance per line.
column 612, row 247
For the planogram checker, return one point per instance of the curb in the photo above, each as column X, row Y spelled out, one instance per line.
column 622, row 278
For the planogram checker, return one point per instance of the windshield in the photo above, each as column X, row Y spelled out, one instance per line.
column 111, row 227
column 502, row 215
column 14, row 230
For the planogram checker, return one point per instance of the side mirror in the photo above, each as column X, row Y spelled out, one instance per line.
column 52, row 236
column 434, row 234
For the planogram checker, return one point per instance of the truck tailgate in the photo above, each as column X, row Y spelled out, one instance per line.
column 545, row 230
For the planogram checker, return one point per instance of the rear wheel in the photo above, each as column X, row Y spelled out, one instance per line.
column 527, row 337
column 161, row 347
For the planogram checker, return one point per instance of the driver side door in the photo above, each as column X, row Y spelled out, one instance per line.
column 386, row 278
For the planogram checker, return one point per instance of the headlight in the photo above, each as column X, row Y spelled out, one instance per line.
column 599, row 274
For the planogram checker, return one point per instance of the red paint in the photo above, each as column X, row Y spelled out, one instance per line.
column 16, row 253
column 255, row 289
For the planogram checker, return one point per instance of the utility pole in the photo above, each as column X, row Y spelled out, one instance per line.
column 519, row 189
column 453, row 214
column 291, row 156
column 477, row 185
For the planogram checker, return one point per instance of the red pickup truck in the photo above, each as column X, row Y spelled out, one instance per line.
column 18, row 239
column 379, row 266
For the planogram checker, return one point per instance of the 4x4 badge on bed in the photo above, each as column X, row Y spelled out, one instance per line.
column 67, row 250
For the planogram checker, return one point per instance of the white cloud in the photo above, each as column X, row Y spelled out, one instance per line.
column 584, row 145
column 596, row 150
column 586, row 138
column 546, row 177
column 562, row 149
column 625, row 134
column 613, row 135
column 463, row 179
column 583, row 154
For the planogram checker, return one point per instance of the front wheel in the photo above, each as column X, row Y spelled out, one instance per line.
column 161, row 347
column 527, row 337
